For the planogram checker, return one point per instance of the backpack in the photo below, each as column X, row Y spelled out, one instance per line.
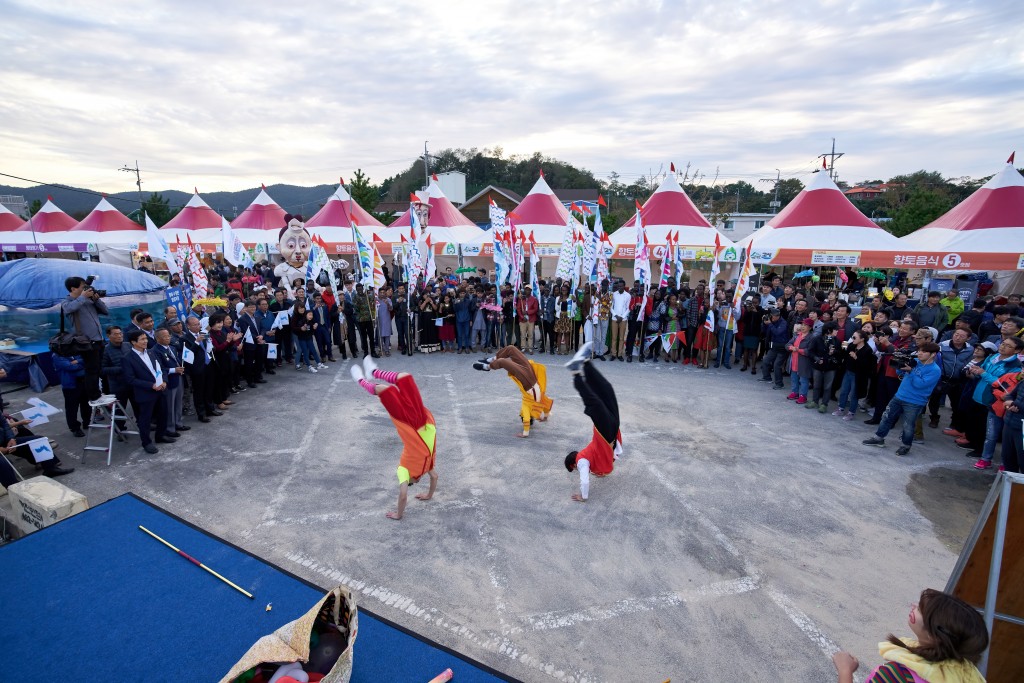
column 1003, row 386
column 69, row 343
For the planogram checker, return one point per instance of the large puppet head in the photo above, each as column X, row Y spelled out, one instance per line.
column 294, row 242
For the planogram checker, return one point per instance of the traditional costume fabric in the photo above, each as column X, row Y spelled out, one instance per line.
column 530, row 378
column 598, row 457
column 415, row 425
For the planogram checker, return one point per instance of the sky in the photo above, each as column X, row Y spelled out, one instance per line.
column 227, row 95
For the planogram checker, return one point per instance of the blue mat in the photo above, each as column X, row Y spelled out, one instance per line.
column 94, row 598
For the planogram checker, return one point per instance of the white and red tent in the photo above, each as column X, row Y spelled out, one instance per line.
column 983, row 232
column 445, row 223
column 542, row 214
column 49, row 220
column 821, row 227
column 333, row 222
column 104, row 225
column 198, row 221
column 669, row 211
column 261, row 222
column 9, row 221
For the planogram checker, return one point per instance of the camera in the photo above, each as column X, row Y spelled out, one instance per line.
column 99, row 292
column 904, row 357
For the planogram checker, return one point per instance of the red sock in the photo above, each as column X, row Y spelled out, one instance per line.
column 370, row 387
column 388, row 376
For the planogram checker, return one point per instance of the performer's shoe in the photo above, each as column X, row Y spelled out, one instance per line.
column 480, row 365
column 368, row 366
column 357, row 373
column 581, row 357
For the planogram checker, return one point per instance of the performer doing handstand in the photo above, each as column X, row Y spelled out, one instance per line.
column 530, row 377
column 415, row 425
column 605, row 446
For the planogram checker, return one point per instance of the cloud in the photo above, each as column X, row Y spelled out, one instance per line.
column 226, row 95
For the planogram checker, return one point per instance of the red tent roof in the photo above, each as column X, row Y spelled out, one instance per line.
column 443, row 213
column 541, row 207
column 48, row 219
column 670, row 206
column 9, row 221
column 196, row 215
column 821, row 203
column 262, row 214
column 105, row 218
column 335, row 213
column 999, row 203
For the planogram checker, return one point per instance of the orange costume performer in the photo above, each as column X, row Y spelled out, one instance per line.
column 531, row 378
column 415, row 425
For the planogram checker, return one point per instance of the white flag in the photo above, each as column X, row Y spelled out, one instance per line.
column 158, row 248
column 235, row 252
column 248, row 337
column 45, row 407
column 35, row 416
column 271, row 351
column 281, row 320
column 187, row 356
column 41, row 451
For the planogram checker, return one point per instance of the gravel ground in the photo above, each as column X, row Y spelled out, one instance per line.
column 740, row 536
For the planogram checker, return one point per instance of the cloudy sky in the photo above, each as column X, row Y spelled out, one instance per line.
column 225, row 95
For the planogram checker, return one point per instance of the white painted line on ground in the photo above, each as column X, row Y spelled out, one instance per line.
column 499, row 582
column 799, row 619
column 433, row 506
column 492, row 642
column 270, row 512
column 566, row 618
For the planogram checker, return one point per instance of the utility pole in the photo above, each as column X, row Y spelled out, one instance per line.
column 832, row 156
column 426, row 165
column 774, row 205
column 138, row 184
column 737, row 199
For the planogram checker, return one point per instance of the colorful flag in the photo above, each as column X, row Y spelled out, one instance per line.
column 364, row 256
column 742, row 284
column 534, row 263
column 378, row 265
column 429, row 267
column 642, row 262
column 200, row 283
column 677, row 253
column 716, row 267
column 566, row 253
column 666, row 263
column 158, row 248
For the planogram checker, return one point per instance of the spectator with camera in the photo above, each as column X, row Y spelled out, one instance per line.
column 899, row 348
column 918, row 382
column 83, row 307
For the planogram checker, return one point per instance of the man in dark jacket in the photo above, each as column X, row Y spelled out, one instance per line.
column 285, row 350
column 954, row 355
column 252, row 339
column 776, row 335
column 365, row 314
column 144, row 372
column 930, row 314
column 112, row 370
column 199, row 371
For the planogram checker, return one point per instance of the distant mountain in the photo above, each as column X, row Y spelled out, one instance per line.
column 292, row 198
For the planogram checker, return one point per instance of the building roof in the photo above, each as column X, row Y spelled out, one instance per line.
column 494, row 189
column 575, row 195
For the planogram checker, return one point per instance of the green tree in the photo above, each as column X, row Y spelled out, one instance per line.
column 158, row 209
column 788, row 190
column 923, row 205
column 34, row 206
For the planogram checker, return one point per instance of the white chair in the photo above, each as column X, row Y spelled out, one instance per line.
column 106, row 411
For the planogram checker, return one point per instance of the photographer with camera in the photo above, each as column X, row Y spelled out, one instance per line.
column 888, row 378
column 911, row 397
column 83, row 308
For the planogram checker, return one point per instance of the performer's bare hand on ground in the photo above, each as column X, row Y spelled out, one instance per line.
column 424, row 496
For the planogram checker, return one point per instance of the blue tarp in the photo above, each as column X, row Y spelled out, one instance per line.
column 38, row 283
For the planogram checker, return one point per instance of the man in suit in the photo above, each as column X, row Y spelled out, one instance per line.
column 144, row 373
column 252, row 340
column 322, row 335
column 348, row 309
column 200, row 371
column 170, row 359
column 283, row 335
column 112, row 370
column 265, row 322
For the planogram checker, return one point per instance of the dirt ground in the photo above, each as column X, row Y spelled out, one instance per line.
column 740, row 536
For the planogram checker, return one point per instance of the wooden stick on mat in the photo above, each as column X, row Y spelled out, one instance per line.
column 442, row 677
column 198, row 563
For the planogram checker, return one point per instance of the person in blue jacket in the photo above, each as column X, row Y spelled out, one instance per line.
column 76, row 398
column 916, row 386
